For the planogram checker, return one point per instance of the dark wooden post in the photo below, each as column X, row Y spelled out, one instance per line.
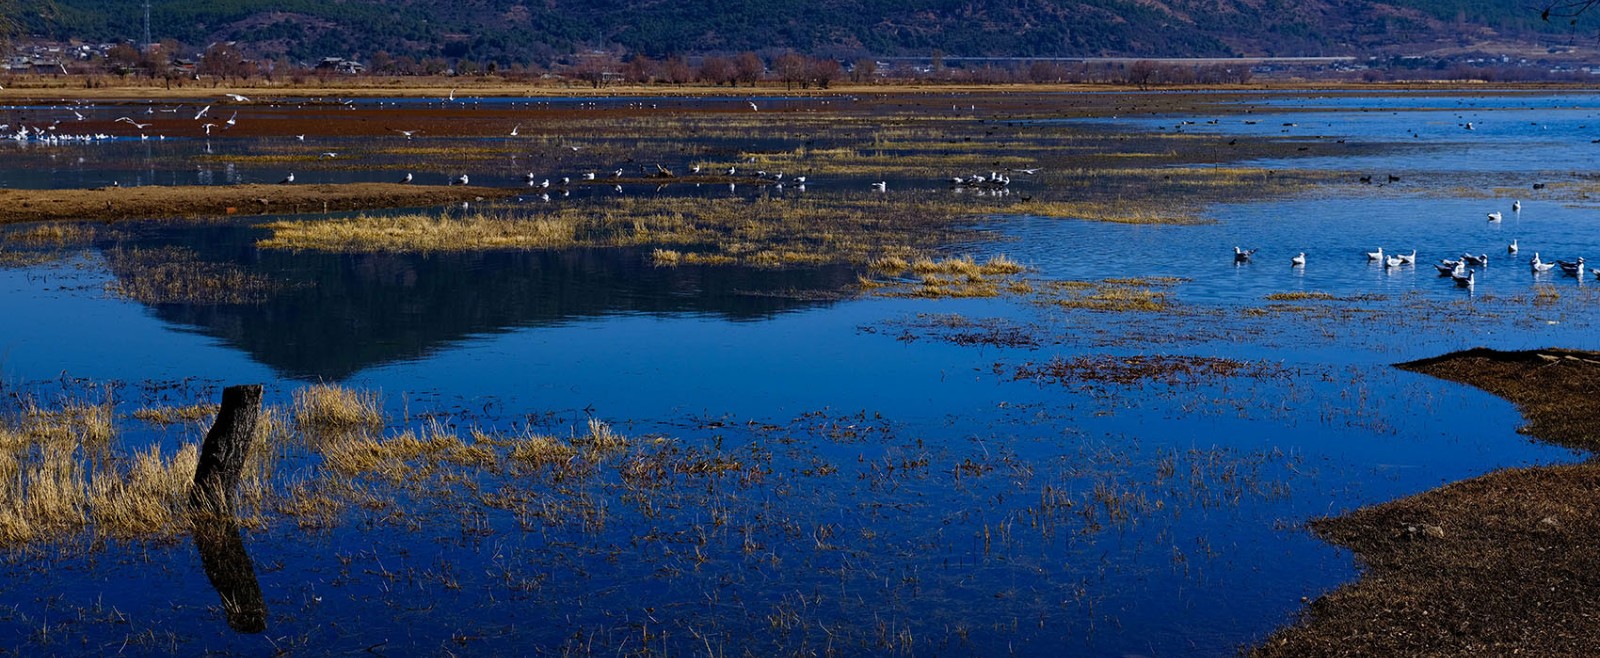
column 216, row 532
column 223, row 453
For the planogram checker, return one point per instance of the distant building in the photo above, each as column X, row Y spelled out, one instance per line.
column 340, row 65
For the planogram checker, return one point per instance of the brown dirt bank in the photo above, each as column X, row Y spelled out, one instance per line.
column 1498, row 565
column 109, row 204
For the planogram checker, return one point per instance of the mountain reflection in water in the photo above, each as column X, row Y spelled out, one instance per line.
column 332, row 315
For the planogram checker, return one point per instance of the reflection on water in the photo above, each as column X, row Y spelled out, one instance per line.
column 230, row 570
column 331, row 315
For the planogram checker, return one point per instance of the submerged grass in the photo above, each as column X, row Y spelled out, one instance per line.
column 174, row 275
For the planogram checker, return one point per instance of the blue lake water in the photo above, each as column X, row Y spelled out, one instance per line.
column 602, row 333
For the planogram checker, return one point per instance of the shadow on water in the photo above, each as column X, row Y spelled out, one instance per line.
column 332, row 315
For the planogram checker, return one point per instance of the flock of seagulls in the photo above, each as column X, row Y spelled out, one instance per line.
column 1461, row 270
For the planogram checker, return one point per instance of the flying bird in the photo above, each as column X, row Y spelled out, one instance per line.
column 202, row 112
column 237, row 98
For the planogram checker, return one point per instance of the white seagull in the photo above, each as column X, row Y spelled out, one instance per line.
column 1298, row 261
column 1538, row 265
column 1494, row 216
column 287, row 179
column 237, row 98
column 1375, row 255
column 881, row 186
column 136, row 124
column 407, row 179
column 202, row 112
column 1408, row 259
column 460, row 180
column 1511, row 248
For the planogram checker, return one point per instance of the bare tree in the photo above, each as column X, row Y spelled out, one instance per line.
column 595, row 68
column 641, row 70
column 748, row 68
column 1569, row 9
column 676, row 71
column 864, row 70
column 791, row 69
column 1141, row 73
column 824, row 71
column 717, row 70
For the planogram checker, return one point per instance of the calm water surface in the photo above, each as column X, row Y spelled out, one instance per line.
column 958, row 565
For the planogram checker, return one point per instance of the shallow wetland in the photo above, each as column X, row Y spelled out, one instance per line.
column 633, row 392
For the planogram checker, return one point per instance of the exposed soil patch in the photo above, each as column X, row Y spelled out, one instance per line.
column 202, row 200
column 1503, row 564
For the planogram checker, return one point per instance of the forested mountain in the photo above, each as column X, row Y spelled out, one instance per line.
column 540, row 31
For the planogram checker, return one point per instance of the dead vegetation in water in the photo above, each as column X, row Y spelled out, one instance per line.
column 174, row 275
column 1118, row 295
column 1500, row 564
column 1142, row 369
column 42, row 243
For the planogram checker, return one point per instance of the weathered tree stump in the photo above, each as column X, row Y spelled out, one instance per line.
column 226, row 446
column 215, row 531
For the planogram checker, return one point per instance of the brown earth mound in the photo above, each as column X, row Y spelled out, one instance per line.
column 1499, row 565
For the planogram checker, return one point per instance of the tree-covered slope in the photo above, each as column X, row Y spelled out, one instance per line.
column 540, row 30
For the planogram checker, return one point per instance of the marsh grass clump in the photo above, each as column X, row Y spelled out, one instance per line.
column 1116, row 212
column 1112, row 295
column 333, row 410
column 50, row 235
column 541, row 450
column 147, row 498
column 173, row 275
column 600, row 438
column 169, row 415
column 953, row 277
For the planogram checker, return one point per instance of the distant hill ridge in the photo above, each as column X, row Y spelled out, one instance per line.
column 541, row 31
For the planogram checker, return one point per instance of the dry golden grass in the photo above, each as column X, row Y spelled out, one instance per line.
column 330, row 410
column 168, row 415
column 149, row 498
column 51, row 235
column 539, row 450
column 1111, row 295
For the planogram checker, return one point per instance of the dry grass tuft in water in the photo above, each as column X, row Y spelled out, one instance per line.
column 1112, row 295
column 331, row 410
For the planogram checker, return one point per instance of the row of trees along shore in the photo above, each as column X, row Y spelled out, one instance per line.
column 225, row 63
